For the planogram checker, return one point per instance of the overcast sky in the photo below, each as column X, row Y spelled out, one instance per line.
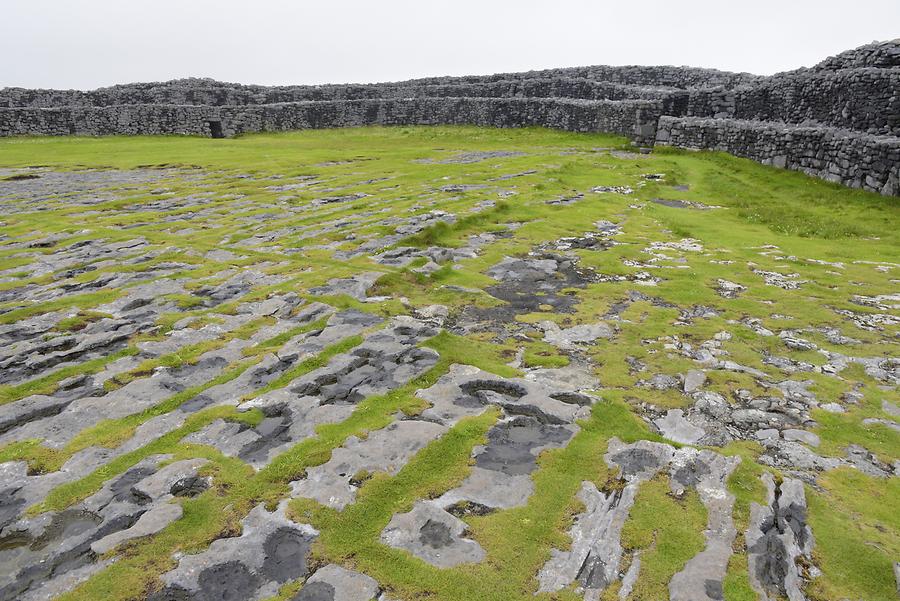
column 89, row 43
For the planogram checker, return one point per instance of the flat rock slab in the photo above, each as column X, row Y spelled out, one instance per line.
column 594, row 559
column 676, row 428
column 334, row 583
column 270, row 551
column 777, row 538
column 571, row 338
column 432, row 535
column 703, row 577
column 386, row 450
column 355, row 287
column 151, row 522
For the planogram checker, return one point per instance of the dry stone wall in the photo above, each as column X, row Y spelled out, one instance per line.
column 854, row 159
column 839, row 120
column 631, row 118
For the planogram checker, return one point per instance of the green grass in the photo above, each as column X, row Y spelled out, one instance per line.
column 857, row 529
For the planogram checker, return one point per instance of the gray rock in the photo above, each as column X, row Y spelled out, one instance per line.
column 776, row 538
column 569, row 338
column 386, row 450
column 801, row 436
column 432, row 535
column 151, row 522
column 334, row 583
column 703, row 576
column 270, row 551
column 675, row 427
column 356, row 287
column 694, row 380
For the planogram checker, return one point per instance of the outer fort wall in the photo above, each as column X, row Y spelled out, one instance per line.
column 636, row 119
column 839, row 120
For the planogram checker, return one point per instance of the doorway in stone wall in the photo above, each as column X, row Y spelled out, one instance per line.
column 215, row 129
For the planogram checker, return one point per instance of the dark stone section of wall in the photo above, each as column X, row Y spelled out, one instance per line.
column 842, row 105
column 854, row 159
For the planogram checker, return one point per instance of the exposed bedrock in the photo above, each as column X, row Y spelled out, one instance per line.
column 597, row 559
column 540, row 414
column 270, row 551
column 849, row 104
column 779, row 542
column 43, row 556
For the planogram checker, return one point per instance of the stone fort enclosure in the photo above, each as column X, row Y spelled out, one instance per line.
column 839, row 120
column 444, row 363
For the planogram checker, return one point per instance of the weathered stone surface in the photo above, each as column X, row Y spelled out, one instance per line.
column 433, row 535
column 116, row 344
column 270, row 551
column 334, row 583
column 569, row 338
column 703, row 576
column 674, row 427
column 777, row 537
column 596, row 553
column 386, row 450
column 151, row 522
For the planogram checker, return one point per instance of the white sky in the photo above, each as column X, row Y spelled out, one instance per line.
column 89, row 43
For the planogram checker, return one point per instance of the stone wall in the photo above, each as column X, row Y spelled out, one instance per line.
column 822, row 120
column 634, row 118
column 864, row 99
column 210, row 93
column 854, row 159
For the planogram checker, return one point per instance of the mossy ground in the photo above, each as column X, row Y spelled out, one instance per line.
column 840, row 242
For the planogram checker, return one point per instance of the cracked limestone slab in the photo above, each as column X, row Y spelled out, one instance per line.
column 159, row 484
column 465, row 391
column 134, row 397
column 334, row 583
column 594, row 558
column 676, row 428
column 151, row 522
column 500, row 478
column 571, row 338
column 270, row 551
column 702, row 577
column 54, row 548
column 490, row 488
column 386, row 450
column 776, row 538
column 355, row 287
column 432, row 535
